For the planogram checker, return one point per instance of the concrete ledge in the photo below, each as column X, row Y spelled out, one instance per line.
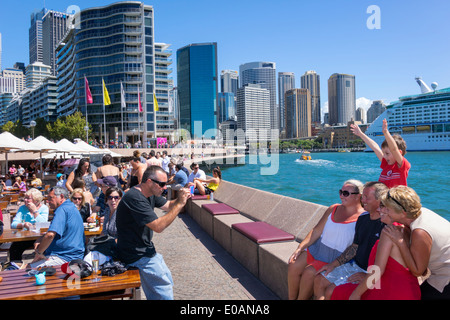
column 222, row 228
column 225, row 191
column 260, row 205
column 273, row 266
column 196, row 208
column 245, row 251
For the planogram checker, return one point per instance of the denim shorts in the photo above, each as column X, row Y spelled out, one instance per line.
column 156, row 279
column 340, row 274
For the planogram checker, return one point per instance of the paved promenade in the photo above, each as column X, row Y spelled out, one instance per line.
column 202, row 269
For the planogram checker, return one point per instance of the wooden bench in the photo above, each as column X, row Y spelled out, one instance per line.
column 18, row 285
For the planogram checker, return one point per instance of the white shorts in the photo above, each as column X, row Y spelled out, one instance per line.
column 340, row 274
column 48, row 262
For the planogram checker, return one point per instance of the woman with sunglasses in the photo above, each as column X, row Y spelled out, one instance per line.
column 78, row 199
column 113, row 196
column 326, row 241
column 429, row 244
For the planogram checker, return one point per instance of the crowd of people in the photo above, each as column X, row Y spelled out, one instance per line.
column 121, row 198
column 379, row 243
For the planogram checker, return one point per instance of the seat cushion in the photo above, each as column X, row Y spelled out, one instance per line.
column 198, row 197
column 261, row 232
column 219, row 208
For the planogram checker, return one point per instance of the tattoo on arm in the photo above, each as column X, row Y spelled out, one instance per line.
column 348, row 254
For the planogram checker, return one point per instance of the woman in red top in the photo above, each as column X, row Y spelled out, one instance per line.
column 387, row 277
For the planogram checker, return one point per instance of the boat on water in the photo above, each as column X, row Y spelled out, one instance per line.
column 423, row 120
column 306, row 155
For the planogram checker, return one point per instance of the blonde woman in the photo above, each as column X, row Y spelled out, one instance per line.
column 32, row 212
column 429, row 245
column 78, row 199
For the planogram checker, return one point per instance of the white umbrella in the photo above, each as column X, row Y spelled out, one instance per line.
column 10, row 143
column 42, row 144
column 70, row 147
column 88, row 148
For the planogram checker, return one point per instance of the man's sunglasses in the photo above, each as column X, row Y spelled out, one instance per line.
column 346, row 193
column 390, row 197
column 159, row 183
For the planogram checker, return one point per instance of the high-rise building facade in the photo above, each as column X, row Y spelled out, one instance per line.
column 298, row 113
column 253, row 111
column 227, row 106
column 54, row 27
column 114, row 44
column 163, row 85
column 197, row 84
column 35, row 73
column 40, row 101
column 341, row 98
column 35, row 36
column 286, row 81
column 18, row 77
column 311, row 81
column 377, row 108
column 229, row 81
column 360, row 115
column 264, row 74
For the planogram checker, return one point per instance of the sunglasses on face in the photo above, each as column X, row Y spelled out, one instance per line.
column 77, row 199
column 159, row 183
column 346, row 193
column 113, row 197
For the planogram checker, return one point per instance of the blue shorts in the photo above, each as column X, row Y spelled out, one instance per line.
column 156, row 279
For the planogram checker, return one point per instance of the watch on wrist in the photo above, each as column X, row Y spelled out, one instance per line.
column 37, row 251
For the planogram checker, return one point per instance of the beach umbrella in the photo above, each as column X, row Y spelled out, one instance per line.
column 70, row 162
column 70, row 147
column 10, row 143
column 42, row 144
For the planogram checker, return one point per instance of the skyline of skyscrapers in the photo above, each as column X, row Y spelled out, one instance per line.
column 95, row 53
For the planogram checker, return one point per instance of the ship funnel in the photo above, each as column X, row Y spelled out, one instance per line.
column 423, row 86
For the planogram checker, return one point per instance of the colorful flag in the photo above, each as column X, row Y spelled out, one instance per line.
column 88, row 91
column 155, row 102
column 106, row 99
column 122, row 96
column 140, row 105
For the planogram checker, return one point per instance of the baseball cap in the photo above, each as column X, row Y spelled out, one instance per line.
column 59, row 175
column 108, row 181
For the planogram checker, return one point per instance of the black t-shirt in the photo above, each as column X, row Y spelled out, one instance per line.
column 134, row 238
column 367, row 232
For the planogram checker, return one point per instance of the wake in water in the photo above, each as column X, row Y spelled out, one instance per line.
column 318, row 162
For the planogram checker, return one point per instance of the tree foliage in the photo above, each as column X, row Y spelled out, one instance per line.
column 69, row 127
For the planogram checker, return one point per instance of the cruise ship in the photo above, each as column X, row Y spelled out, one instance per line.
column 423, row 120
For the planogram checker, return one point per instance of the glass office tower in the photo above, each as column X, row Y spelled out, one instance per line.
column 114, row 43
column 341, row 98
column 197, row 87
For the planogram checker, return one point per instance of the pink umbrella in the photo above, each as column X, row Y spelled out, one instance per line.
column 70, row 162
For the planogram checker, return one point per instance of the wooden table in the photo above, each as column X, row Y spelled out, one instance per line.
column 18, row 285
column 16, row 235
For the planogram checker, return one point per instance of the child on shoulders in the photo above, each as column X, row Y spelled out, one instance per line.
column 394, row 165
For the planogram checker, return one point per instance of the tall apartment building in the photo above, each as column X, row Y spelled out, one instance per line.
column 377, row 108
column 35, row 45
column 264, row 74
column 35, row 73
column 113, row 43
column 229, row 81
column 286, row 81
column 311, row 80
column 18, row 77
column 341, row 98
column 40, row 101
column 360, row 115
column 54, row 27
column 197, row 84
column 253, row 111
column 163, row 85
column 298, row 113
column 229, row 84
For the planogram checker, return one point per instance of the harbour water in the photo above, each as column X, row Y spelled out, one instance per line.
column 318, row 180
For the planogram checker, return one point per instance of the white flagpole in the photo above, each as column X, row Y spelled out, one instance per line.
column 104, row 116
column 122, row 94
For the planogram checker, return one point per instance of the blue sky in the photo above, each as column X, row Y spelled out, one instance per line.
column 327, row 36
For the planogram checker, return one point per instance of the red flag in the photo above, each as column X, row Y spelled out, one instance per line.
column 140, row 105
column 88, row 92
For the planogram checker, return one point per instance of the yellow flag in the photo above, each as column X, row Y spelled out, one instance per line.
column 155, row 102
column 106, row 99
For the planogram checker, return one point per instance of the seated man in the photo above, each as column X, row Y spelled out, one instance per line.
column 367, row 232
column 196, row 173
column 179, row 180
column 36, row 182
column 64, row 240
